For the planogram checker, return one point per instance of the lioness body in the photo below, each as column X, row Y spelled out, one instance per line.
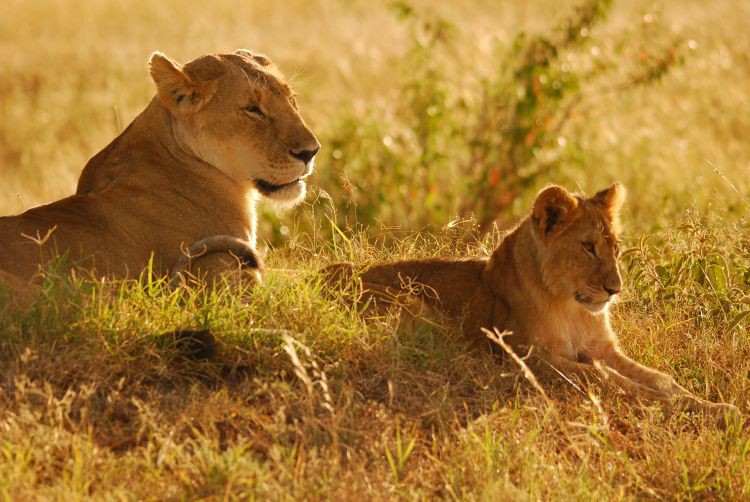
column 220, row 130
column 548, row 282
column 125, row 216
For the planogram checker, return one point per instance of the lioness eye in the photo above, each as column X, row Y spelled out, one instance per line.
column 254, row 109
column 589, row 248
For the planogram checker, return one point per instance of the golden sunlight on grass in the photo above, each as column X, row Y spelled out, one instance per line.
column 307, row 399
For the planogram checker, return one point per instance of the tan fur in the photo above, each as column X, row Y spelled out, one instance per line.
column 242, row 257
column 220, row 129
column 549, row 282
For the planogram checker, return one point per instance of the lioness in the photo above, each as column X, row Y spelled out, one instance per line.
column 219, row 131
column 549, row 283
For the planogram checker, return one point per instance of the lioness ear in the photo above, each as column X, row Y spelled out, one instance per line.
column 554, row 209
column 261, row 59
column 611, row 199
column 184, row 92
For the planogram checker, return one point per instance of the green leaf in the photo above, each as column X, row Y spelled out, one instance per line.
column 663, row 273
column 717, row 277
column 737, row 320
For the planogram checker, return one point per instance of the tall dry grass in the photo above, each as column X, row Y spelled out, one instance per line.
column 305, row 399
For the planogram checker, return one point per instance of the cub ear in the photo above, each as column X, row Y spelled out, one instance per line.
column 554, row 209
column 611, row 199
column 184, row 92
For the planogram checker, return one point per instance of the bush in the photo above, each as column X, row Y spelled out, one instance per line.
column 455, row 146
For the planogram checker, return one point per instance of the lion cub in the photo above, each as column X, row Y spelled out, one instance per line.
column 549, row 283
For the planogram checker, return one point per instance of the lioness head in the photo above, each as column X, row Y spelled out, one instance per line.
column 234, row 112
column 577, row 243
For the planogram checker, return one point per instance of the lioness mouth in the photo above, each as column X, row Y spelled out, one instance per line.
column 267, row 188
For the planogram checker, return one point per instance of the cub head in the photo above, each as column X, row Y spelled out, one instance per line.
column 235, row 112
column 576, row 237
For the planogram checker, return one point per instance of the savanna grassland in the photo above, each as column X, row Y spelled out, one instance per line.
column 439, row 122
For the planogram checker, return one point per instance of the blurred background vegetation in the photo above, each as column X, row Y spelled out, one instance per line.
column 437, row 120
column 429, row 114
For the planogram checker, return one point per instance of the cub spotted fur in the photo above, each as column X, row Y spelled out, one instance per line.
column 220, row 130
column 549, row 283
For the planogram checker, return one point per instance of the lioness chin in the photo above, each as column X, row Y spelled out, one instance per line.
column 220, row 131
column 549, row 283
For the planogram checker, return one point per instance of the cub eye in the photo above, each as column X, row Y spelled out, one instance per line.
column 589, row 248
column 255, row 110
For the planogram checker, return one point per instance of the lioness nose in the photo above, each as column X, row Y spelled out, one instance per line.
column 304, row 155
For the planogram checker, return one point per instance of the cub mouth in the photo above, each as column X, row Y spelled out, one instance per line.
column 582, row 298
column 589, row 304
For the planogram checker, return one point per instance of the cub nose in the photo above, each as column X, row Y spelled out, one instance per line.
column 612, row 289
column 304, row 155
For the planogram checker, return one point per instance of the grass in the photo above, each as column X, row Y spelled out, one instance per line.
column 305, row 399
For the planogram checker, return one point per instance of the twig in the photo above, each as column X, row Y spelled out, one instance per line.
column 497, row 337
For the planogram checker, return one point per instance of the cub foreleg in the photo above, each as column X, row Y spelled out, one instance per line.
column 678, row 397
